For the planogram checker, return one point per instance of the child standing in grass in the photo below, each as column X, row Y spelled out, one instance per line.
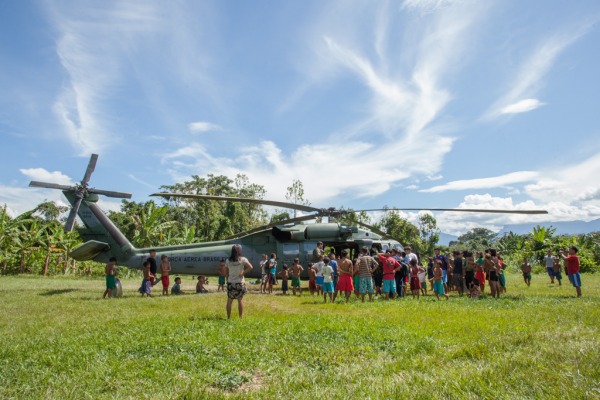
column 147, row 281
column 264, row 265
column 284, row 279
column 312, row 279
column 573, row 268
column 438, row 283
column 415, row 283
column 423, row 279
column 526, row 269
column 165, row 268
column 109, row 270
column 295, row 272
column 221, row 272
column 328, row 281
column 557, row 270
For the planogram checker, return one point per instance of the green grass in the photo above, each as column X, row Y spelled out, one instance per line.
column 59, row 339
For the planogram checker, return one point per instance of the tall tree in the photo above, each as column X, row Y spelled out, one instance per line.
column 295, row 194
column 429, row 233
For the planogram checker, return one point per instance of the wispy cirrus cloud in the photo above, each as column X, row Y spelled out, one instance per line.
column 529, row 78
column 485, row 183
column 402, row 96
column 92, row 46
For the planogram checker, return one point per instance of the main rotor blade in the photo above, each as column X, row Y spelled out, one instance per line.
column 109, row 193
column 49, row 185
column 241, row 200
column 272, row 224
column 72, row 215
column 90, row 168
column 473, row 210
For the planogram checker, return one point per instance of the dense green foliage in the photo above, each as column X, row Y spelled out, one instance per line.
column 58, row 339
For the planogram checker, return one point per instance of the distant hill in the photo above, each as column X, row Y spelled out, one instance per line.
column 562, row 228
column 446, row 238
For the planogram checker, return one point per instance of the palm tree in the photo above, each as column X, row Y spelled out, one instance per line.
column 149, row 229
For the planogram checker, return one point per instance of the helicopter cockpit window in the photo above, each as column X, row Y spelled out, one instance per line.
column 291, row 249
column 309, row 247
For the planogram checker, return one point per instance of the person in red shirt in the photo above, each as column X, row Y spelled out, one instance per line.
column 390, row 266
column 573, row 268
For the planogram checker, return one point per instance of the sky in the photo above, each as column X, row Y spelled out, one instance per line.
column 414, row 103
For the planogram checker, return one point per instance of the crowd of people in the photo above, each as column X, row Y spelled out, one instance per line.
column 395, row 272
column 388, row 274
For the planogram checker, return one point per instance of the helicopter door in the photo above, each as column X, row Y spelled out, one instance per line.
column 288, row 252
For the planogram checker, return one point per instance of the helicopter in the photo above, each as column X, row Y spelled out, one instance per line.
column 289, row 239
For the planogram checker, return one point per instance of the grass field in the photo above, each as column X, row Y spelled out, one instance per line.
column 59, row 339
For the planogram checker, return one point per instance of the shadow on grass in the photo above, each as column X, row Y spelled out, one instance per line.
column 58, row 291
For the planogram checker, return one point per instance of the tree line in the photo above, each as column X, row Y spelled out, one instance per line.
column 35, row 242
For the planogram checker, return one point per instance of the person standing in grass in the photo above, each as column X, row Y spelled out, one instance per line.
column 165, row 268
column 377, row 277
column 390, row 266
column 272, row 272
column 557, row 270
column 423, row 279
column 295, row 272
column 457, row 273
column 438, row 280
column 501, row 276
column 153, row 266
column 312, row 279
column 572, row 261
column 334, row 265
column 469, row 268
column 236, row 266
column 264, row 270
column 328, row 281
column 366, row 265
column 479, row 271
column 221, row 272
column 494, row 274
column 526, row 269
column 146, row 287
column 549, row 260
column 284, row 279
column 444, row 265
column 415, row 283
column 318, row 267
column 109, row 271
column 346, row 270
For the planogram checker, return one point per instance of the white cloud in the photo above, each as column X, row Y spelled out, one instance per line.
column 93, row 45
column 522, row 106
column 568, row 183
column 43, row 175
column 529, row 77
column 485, row 183
column 200, row 126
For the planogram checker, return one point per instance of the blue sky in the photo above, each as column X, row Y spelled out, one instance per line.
column 415, row 103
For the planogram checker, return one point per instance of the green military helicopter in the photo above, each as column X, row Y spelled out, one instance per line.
column 289, row 239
